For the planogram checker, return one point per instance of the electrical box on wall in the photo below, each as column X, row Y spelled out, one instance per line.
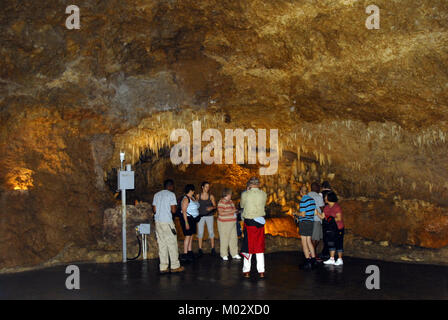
column 144, row 228
column 125, row 180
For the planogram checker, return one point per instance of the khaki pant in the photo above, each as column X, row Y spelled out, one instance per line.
column 227, row 238
column 167, row 242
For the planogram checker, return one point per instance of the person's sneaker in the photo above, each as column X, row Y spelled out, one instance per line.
column 225, row 258
column 200, row 253
column 213, row 252
column 237, row 257
column 164, row 271
column 183, row 257
column 180, row 269
column 190, row 256
column 306, row 265
column 330, row 261
column 339, row 262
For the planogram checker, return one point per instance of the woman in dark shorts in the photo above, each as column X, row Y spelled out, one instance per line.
column 306, row 228
column 306, row 214
column 190, row 211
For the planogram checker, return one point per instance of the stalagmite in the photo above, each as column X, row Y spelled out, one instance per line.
column 269, row 200
column 294, row 167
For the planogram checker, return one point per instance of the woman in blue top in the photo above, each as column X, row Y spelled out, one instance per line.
column 190, row 211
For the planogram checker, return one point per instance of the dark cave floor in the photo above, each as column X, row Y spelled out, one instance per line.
column 210, row 278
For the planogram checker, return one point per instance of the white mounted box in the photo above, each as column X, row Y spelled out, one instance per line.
column 125, row 180
column 144, row 228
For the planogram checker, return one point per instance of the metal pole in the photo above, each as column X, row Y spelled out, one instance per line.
column 144, row 246
column 123, row 230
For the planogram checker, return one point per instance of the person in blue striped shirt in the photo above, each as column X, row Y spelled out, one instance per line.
column 306, row 214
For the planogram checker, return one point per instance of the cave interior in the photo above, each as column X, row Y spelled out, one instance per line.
column 364, row 109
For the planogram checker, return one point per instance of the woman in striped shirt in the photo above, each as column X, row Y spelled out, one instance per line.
column 306, row 222
column 226, row 226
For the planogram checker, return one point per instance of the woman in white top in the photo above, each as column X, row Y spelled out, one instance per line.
column 190, row 211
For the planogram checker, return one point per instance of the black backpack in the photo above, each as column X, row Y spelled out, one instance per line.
column 179, row 207
column 330, row 229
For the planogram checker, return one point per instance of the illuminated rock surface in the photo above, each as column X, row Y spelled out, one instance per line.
column 364, row 109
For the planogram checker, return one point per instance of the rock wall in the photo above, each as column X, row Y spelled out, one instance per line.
column 366, row 109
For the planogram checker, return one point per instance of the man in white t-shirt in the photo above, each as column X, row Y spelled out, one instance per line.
column 164, row 205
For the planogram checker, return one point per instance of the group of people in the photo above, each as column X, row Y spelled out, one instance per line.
column 320, row 220
column 196, row 211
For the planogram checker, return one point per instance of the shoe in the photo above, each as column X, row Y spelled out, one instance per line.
column 246, row 275
column 183, row 257
column 180, row 269
column 213, row 252
column 225, row 258
column 190, row 256
column 237, row 257
column 339, row 262
column 261, row 275
column 306, row 265
column 164, row 271
column 329, row 261
column 200, row 253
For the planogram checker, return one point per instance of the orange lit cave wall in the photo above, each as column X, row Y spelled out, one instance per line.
column 49, row 196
